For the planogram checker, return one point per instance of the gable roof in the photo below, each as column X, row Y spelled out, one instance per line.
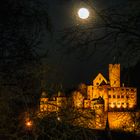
column 100, row 79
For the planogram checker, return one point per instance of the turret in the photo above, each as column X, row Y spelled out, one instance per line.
column 61, row 100
column 99, row 112
column 43, row 101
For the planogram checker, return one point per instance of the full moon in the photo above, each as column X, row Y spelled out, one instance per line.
column 83, row 13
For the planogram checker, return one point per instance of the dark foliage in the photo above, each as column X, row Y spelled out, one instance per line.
column 21, row 27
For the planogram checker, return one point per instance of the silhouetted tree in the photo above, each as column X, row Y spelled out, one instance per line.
column 21, row 28
column 114, row 31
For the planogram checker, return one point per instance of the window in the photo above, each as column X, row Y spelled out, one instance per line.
column 42, row 102
column 127, row 96
column 100, row 88
column 118, row 96
column 132, row 90
column 122, row 96
column 109, row 96
column 113, row 96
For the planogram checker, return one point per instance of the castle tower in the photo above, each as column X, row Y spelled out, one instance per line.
column 90, row 92
column 43, row 101
column 99, row 112
column 77, row 99
column 114, row 75
column 61, row 101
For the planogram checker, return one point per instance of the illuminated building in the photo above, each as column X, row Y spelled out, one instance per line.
column 115, row 96
column 103, row 96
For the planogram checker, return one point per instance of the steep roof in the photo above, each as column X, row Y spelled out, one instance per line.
column 100, row 79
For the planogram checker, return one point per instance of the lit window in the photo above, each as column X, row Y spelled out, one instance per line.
column 124, row 105
column 42, row 102
column 118, row 105
column 112, row 105
column 131, row 106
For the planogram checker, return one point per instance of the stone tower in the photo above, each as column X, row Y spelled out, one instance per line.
column 60, row 101
column 43, row 101
column 99, row 112
column 114, row 75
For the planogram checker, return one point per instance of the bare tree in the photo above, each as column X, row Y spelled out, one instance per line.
column 115, row 30
column 68, row 123
column 21, row 28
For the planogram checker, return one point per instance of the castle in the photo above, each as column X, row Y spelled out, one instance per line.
column 103, row 96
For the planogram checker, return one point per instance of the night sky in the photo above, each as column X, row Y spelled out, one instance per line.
column 70, row 70
column 45, row 46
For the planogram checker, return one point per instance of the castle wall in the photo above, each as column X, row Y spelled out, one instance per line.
column 122, row 97
column 78, row 99
column 121, row 120
column 115, row 98
column 99, row 116
column 52, row 106
column 43, row 104
column 90, row 92
column 87, row 104
column 101, row 91
column 61, row 102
